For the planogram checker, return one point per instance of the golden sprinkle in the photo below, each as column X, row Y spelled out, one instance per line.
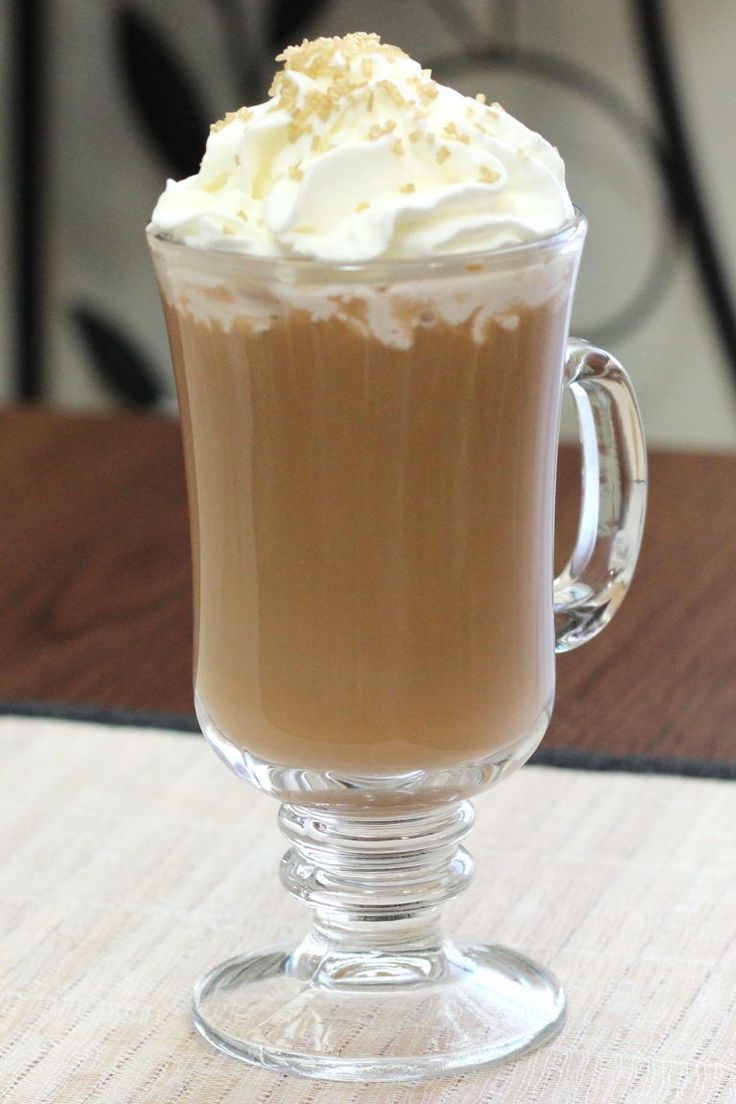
column 242, row 214
column 314, row 144
column 450, row 130
column 228, row 229
column 370, row 100
column 442, row 154
column 392, row 92
column 320, row 103
column 481, row 97
column 319, row 55
column 380, row 130
column 296, row 173
column 362, row 206
column 474, row 266
column 237, row 158
column 243, row 114
column 496, row 106
column 489, row 176
column 465, row 139
column 397, row 147
column 408, row 188
column 216, row 184
column 415, row 136
column 367, row 67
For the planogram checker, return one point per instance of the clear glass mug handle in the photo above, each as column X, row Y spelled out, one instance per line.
column 594, row 582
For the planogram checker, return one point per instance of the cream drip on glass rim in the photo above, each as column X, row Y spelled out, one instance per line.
column 358, row 156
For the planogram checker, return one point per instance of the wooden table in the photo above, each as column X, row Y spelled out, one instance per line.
column 95, row 588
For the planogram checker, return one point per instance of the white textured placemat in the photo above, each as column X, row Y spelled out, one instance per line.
column 132, row 861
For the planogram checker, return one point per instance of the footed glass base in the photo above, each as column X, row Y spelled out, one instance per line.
column 375, row 992
column 378, row 1016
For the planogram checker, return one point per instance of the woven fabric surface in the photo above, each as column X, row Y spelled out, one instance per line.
column 133, row 861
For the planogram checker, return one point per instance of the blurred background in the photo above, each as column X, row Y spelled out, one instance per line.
column 104, row 99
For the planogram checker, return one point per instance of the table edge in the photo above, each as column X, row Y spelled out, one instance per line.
column 562, row 758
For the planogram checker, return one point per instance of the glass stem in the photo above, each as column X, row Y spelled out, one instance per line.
column 376, row 884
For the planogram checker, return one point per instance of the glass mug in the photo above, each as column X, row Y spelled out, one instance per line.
column 371, row 458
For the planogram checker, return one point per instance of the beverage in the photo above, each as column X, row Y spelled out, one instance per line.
column 373, row 461
column 367, row 288
column 373, row 533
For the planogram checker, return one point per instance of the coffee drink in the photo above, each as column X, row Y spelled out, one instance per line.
column 372, row 531
column 371, row 450
column 367, row 288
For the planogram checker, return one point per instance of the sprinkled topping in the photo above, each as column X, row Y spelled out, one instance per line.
column 243, row 114
column 392, row 91
column 320, row 104
column 488, row 176
column 295, row 131
column 318, row 58
column 380, row 130
column 336, row 96
column 480, row 97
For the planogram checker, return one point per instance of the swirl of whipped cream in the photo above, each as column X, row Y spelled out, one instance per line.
column 360, row 155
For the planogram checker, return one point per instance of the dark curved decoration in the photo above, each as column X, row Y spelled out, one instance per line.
column 118, row 359
column 27, row 160
column 162, row 93
column 685, row 187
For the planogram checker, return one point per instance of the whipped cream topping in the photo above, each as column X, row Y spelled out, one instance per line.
column 360, row 155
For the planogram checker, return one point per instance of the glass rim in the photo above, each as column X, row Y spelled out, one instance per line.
column 380, row 269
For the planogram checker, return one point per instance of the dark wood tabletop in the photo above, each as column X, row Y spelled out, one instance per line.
column 95, row 588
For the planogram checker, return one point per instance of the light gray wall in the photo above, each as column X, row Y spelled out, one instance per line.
column 106, row 178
